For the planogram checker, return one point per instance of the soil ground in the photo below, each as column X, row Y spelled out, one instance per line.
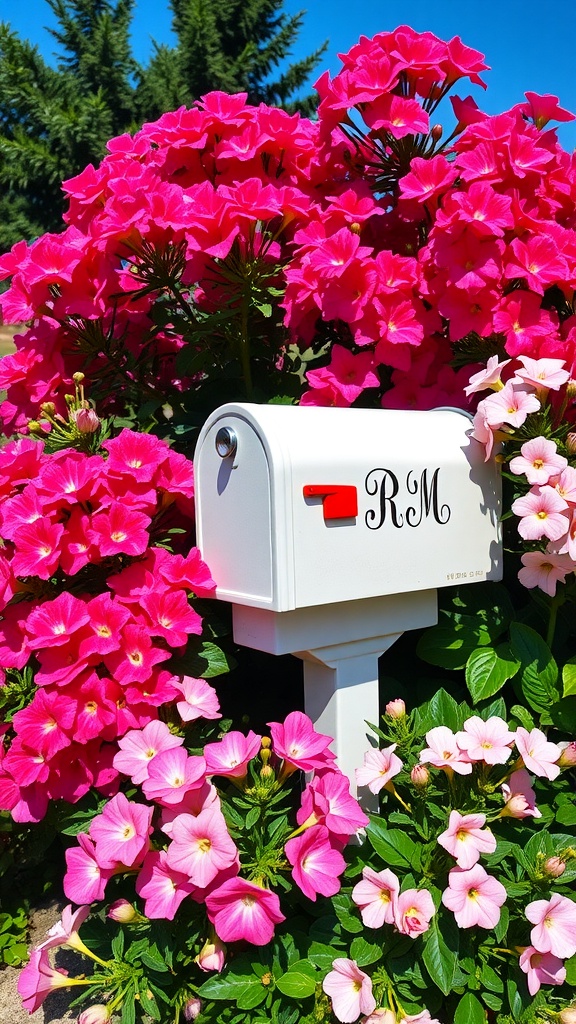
column 55, row 1008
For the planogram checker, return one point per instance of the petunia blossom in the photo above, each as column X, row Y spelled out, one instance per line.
column 350, row 990
column 520, row 798
column 240, row 910
column 413, row 910
column 538, row 461
column 316, row 864
column 443, row 751
column 466, row 838
column 489, row 741
column 554, row 923
column 380, row 766
column 376, row 896
column 541, row 969
column 538, row 754
column 474, row 897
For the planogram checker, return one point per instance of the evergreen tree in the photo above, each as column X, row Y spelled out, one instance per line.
column 56, row 120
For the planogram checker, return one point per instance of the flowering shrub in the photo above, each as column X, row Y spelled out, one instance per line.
column 371, row 257
column 457, row 902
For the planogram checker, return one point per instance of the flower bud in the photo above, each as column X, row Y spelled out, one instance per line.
column 48, row 408
column 554, row 867
column 266, row 772
column 571, row 443
column 436, row 132
column 212, row 956
column 395, row 708
column 420, row 776
column 192, row 1009
column 380, row 1016
column 122, row 911
column 78, row 377
column 567, row 1015
column 97, row 1014
column 85, row 420
column 355, row 227
column 571, row 389
column 567, row 758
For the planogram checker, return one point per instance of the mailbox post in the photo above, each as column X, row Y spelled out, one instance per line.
column 330, row 530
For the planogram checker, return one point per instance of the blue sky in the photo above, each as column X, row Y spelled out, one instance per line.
column 528, row 44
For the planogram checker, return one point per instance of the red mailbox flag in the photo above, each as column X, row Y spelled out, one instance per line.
column 339, row 501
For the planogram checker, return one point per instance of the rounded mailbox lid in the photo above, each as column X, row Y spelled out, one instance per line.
column 316, row 506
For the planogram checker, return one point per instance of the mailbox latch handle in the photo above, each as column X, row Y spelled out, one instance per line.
column 339, row 501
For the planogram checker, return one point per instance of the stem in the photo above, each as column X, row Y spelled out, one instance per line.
column 245, row 348
column 552, row 622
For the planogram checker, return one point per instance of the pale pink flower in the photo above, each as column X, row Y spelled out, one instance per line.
column 540, row 513
column 419, row 1018
column 240, row 910
column 380, row 766
column 541, row 968
column 539, row 755
column 200, row 699
column 554, row 923
column 95, row 1014
column 380, row 1016
column 544, row 570
column 122, row 911
column 567, row 754
column 510, row 405
column 350, row 990
column 139, row 746
column 172, row 774
column 474, row 897
column 543, row 373
column 413, row 911
column 519, row 796
column 538, row 461
column 565, row 484
column 376, row 895
column 489, row 741
column 487, row 377
column 466, row 838
column 212, row 956
column 201, row 846
column 395, row 708
column 65, row 931
column 443, row 751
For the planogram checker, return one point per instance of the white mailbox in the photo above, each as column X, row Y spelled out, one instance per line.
column 329, row 530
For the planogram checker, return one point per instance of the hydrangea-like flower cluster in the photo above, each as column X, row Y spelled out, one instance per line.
column 93, row 607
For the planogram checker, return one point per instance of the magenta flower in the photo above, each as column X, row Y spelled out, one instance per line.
column 539, row 755
column 466, row 838
column 201, row 846
column 231, row 755
column 376, row 896
column 380, row 766
column 541, row 968
column 64, row 932
column 37, row 549
column 350, row 990
column 474, row 897
column 37, row 979
column 413, row 910
column 519, row 796
column 120, row 530
column 121, row 832
column 316, row 864
column 488, row 741
column 444, row 752
column 554, row 923
column 85, row 879
column 297, row 742
column 327, row 801
column 171, row 774
column 240, row 910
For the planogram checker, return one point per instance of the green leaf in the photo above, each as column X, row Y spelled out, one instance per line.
column 487, row 669
column 129, row 1007
column 563, row 715
column 570, row 966
column 502, row 926
column 299, row 982
column 240, row 984
column 441, row 962
column 523, row 716
column 470, row 1010
column 448, row 646
column 394, row 847
column 343, row 910
column 365, row 953
column 539, row 671
column 569, row 678
column 151, row 958
column 322, row 956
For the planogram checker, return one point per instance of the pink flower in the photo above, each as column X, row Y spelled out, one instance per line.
column 64, row 932
column 121, row 832
column 376, row 896
column 413, row 910
column 555, row 926
column 539, row 756
column 474, row 897
column 349, row 989
column 541, row 514
column 161, row 886
column 510, row 405
column 380, row 766
column 201, row 846
column 327, row 801
column 538, row 461
column 541, row 968
column 466, row 838
column 443, row 751
column 37, row 549
column 298, row 744
column 231, row 755
column 85, row 880
column 419, row 1018
column 171, row 774
column 139, row 746
column 486, row 378
column 212, row 956
column 200, row 699
column 519, row 796
column 488, row 741
column 544, row 570
column 543, row 373
column 316, row 864
column 240, row 910
column 121, row 530
column 37, row 979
